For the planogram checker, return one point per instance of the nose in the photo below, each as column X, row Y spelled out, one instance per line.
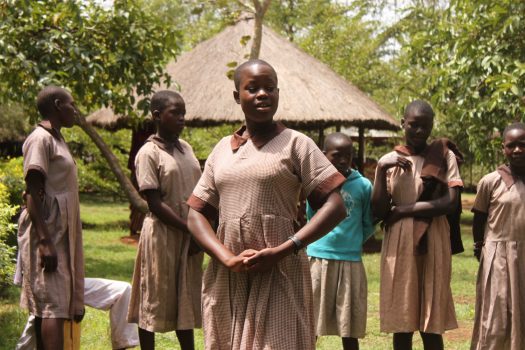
column 261, row 93
column 517, row 149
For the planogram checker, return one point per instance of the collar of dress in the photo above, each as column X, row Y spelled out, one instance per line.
column 168, row 146
column 259, row 141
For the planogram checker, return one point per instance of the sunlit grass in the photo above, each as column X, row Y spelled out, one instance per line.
column 106, row 256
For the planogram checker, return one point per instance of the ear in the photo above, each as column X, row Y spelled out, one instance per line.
column 236, row 97
column 57, row 103
column 155, row 114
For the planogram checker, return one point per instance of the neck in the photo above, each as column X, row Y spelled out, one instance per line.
column 517, row 171
column 417, row 148
column 52, row 123
column 167, row 136
column 259, row 128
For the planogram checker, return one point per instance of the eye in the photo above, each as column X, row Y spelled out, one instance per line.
column 251, row 89
column 270, row 89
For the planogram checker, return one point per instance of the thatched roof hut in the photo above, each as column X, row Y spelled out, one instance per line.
column 312, row 96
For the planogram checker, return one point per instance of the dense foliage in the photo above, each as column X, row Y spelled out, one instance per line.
column 7, row 235
column 472, row 58
column 105, row 56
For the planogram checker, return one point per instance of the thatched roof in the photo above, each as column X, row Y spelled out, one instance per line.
column 311, row 94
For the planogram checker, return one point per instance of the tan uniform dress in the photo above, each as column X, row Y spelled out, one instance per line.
column 415, row 293
column 166, row 281
column 256, row 189
column 57, row 294
column 500, row 300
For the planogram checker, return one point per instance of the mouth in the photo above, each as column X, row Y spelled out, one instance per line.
column 263, row 106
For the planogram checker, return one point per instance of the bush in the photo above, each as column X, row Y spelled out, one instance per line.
column 7, row 231
column 12, row 176
column 94, row 173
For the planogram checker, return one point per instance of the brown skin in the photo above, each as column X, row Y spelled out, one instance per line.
column 170, row 123
column 417, row 127
column 258, row 96
column 49, row 331
column 339, row 152
column 513, row 148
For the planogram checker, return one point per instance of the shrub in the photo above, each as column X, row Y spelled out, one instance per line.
column 12, row 176
column 7, row 230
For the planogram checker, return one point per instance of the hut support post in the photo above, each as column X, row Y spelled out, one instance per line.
column 321, row 137
column 361, row 150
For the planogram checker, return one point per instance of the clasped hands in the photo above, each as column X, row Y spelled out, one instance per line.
column 252, row 260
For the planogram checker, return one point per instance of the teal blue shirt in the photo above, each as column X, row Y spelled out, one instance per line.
column 345, row 241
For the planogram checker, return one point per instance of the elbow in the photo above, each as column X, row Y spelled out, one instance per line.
column 380, row 214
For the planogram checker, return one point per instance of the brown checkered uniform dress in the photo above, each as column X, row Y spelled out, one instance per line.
column 256, row 190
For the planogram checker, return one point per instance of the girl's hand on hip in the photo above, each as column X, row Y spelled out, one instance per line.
column 48, row 255
column 236, row 262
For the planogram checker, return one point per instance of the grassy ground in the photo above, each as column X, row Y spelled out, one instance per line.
column 105, row 256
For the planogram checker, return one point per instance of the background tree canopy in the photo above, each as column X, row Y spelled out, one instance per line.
column 471, row 56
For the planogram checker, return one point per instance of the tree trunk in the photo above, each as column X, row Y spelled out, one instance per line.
column 260, row 10
column 125, row 183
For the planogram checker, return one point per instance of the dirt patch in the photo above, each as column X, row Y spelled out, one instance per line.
column 462, row 333
column 130, row 240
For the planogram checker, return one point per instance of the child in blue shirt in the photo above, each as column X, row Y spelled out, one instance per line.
column 338, row 275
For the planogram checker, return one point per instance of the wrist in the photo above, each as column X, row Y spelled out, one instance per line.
column 295, row 243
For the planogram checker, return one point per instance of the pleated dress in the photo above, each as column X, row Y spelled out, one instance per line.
column 415, row 293
column 166, row 287
column 500, row 288
column 254, row 184
column 58, row 294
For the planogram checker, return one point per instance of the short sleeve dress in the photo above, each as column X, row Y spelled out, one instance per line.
column 166, row 287
column 500, row 288
column 57, row 294
column 415, row 293
column 255, row 187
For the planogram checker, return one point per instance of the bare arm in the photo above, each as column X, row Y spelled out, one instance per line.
column 443, row 205
column 326, row 218
column 478, row 232
column 381, row 201
column 163, row 211
column 205, row 236
column 46, row 248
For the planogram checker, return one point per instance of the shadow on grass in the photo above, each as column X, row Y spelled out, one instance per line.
column 112, row 225
column 101, row 267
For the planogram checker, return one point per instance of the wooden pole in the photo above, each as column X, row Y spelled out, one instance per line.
column 320, row 140
column 361, row 150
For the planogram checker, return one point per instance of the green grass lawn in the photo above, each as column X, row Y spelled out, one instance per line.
column 107, row 257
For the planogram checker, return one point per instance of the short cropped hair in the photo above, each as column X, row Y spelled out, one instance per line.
column 336, row 136
column 238, row 70
column 420, row 106
column 513, row 126
column 160, row 99
column 45, row 101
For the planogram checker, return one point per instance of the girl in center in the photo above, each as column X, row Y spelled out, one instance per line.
column 257, row 290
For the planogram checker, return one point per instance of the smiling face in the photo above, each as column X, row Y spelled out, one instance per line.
column 417, row 125
column 258, row 94
column 514, row 149
column 171, row 118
